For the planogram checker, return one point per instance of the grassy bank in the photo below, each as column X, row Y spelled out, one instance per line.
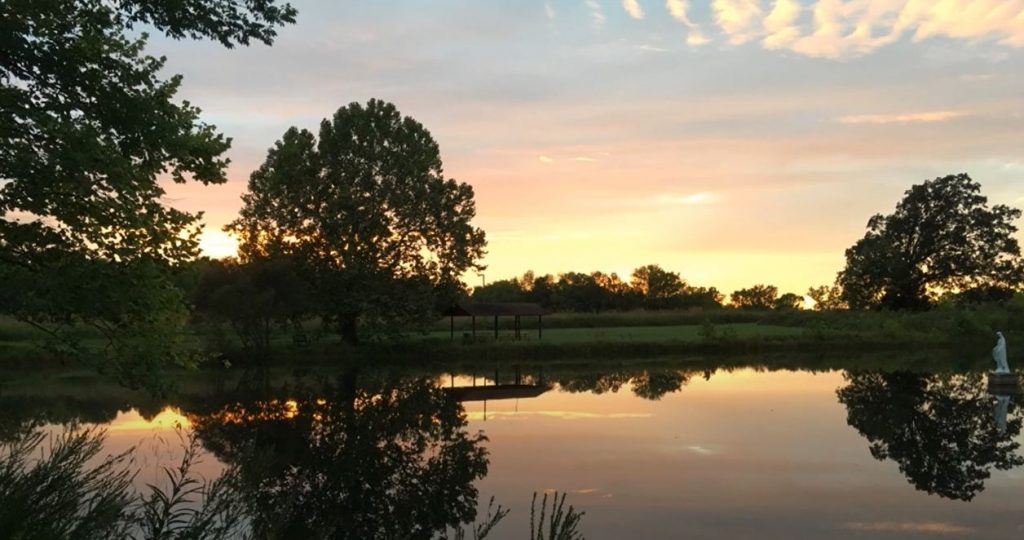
column 604, row 335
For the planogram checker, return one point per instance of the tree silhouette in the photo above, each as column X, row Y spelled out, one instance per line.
column 89, row 129
column 366, row 211
column 370, row 460
column 654, row 384
column 756, row 297
column 943, row 235
column 939, row 429
column 647, row 384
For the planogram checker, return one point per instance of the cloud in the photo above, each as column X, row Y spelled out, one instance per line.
column 840, row 29
column 679, row 10
column 596, row 13
column 544, row 159
column 1002, row 20
column 697, row 39
column 780, row 24
column 582, row 158
column 900, row 118
column 737, row 18
column 549, row 11
column 696, row 198
column 633, row 8
column 649, row 48
column 935, row 527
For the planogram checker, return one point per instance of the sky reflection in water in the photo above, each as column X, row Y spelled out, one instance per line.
column 742, row 454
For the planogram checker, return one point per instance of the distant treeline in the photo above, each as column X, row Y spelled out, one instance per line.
column 650, row 287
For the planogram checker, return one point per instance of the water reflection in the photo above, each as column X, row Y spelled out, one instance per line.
column 354, row 458
column 939, row 429
column 651, row 384
column 375, row 453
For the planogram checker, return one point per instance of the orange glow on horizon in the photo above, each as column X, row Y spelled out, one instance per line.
column 168, row 418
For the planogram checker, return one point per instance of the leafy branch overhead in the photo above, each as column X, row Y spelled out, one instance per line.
column 89, row 128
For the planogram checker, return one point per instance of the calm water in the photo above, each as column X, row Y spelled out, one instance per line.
column 664, row 453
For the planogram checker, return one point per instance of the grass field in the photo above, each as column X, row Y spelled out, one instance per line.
column 636, row 334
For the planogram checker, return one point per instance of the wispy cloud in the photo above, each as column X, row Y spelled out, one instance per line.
column 633, row 8
column 597, row 17
column 649, row 48
column 696, row 198
column 544, row 159
column 549, row 11
column 679, row 10
column 900, row 118
column 934, row 527
column 696, row 39
column 841, row 29
column 780, row 24
column 582, row 158
column 737, row 18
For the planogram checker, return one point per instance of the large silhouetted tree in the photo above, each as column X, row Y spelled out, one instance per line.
column 88, row 128
column 943, row 235
column 939, row 429
column 366, row 210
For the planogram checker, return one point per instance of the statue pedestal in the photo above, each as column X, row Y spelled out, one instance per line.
column 1004, row 383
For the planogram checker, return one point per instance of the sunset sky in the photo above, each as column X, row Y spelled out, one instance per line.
column 733, row 141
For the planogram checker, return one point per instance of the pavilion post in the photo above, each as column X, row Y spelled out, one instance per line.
column 540, row 327
column 474, row 327
column 451, row 327
column 495, row 327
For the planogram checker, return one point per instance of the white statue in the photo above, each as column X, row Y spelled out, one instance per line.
column 1001, row 408
column 999, row 355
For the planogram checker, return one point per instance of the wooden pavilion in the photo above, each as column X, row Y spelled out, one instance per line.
column 518, row 310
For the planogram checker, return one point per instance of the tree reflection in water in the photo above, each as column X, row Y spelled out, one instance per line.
column 650, row 384
column 939, row 429
column 350, row 460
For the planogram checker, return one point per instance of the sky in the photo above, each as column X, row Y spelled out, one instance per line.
column 733, row 141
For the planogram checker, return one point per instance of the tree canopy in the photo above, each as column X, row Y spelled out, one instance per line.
column 365, row 209
column 756, row 297
column 88, row 130
column 651, row 287
column 942, row 235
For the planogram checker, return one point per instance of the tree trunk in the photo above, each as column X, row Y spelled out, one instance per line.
column 348, row 327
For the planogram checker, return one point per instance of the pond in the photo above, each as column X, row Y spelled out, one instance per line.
column 661, row 452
